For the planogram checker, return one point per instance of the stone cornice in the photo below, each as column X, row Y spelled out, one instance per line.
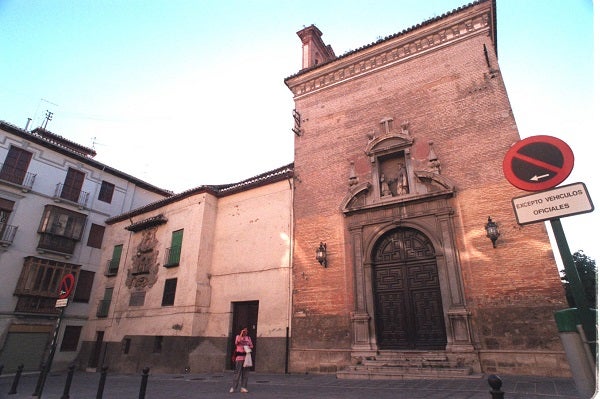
column 472, row 21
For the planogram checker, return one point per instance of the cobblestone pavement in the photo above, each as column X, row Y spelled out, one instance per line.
column 281, row 386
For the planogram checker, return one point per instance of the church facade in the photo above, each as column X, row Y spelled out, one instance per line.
column 398, row 168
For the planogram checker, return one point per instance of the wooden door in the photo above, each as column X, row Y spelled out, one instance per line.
column 245, row 314
column 407, row 298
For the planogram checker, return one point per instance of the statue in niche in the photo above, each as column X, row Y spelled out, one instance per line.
column 385, row 187
column 433, row 164
column 402, row 183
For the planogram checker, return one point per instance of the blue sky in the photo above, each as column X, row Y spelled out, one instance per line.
column 182, row 93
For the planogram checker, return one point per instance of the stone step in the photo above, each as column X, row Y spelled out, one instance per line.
column 408, row 363
column 398, row 373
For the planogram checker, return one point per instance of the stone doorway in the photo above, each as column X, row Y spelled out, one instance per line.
column 406, row 293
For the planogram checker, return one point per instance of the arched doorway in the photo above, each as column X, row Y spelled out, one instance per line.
column 406, row 292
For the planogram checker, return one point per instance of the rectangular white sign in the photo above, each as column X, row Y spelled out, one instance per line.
column 61, row 303
column 558, row 202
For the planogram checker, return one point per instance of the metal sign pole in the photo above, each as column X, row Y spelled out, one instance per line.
column 48, row 364
column 586, row 316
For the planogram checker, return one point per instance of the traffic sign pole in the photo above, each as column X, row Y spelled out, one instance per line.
column 586, row 316
column 48, row 364
column 65, row 288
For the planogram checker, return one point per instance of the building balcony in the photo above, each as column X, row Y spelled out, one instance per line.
column 103, row 306
column 7, row 234
column 69, row 194
column 112, row 267
column 37, row 305
column 23, row 180
column 57, row 244
column 172, row 256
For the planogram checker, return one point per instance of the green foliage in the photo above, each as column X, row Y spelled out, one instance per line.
column 588, row 274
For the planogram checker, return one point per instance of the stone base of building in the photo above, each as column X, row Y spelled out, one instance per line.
column 179, row 355
column 542, row 363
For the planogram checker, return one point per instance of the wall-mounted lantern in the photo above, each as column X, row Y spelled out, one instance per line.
column 492, row 232
column 322, row 254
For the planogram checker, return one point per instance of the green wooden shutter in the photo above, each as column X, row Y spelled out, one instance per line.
column 113, row 266
column 175, row 250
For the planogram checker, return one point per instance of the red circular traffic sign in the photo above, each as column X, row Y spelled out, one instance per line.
column 538, row 163
column 66, row 286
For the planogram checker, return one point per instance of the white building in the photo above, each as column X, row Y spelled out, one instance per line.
column 54, row 201
column 188, row 272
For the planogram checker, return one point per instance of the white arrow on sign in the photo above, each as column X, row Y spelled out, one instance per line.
column 536, row 177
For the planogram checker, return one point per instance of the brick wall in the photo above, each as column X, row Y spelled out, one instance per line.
column 450, row 97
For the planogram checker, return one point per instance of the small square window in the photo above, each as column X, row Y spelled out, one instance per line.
column 158, row 343
column 106, row 192
column 70, row 339
column 85, row 282
column 96, row 236
column 137, row 298
column 126, row 345
column 169, row 292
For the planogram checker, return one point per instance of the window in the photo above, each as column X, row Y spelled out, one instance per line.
column 113, row 263
column 70, row 339
column 38, row 284
column 173, row 254
column 71, row 189
column 6, row 208
column 168, row 298
column 104, row 304
column 96, row 236
column 60, row 229
column 126, row 345
column 106, row 192
column 14, row 168
column 158, row 343
column 85, row 282
column 137, row 298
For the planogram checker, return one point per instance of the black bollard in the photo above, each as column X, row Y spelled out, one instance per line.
column 1, row 368
column 15, row 383
column 65, row 394
column 495, row 383
column 101, row 383
column 145, row 372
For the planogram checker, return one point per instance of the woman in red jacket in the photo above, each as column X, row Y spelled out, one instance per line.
column 243, row 347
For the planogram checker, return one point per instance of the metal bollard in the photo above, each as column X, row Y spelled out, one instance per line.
column 101, row 383
column 65, row 394
column 13, row 388
column 145, row 372
column 495, row 383
column 1, row 368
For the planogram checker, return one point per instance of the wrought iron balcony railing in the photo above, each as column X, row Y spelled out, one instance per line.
column 23, row 179
column 112, row 267
column 68, row 193
column 7, row 234
column 172, row 256
column 103, row 307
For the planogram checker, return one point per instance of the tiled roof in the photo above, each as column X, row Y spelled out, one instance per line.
column 75, row 151
column 272, row 176
column 395, row 35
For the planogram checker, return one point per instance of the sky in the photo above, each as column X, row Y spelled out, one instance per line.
column 182, row 93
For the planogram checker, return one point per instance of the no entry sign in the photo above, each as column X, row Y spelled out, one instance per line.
column 66, row 286
column 538, row 163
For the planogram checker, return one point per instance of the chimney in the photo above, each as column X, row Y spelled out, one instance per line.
column 314, row 51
